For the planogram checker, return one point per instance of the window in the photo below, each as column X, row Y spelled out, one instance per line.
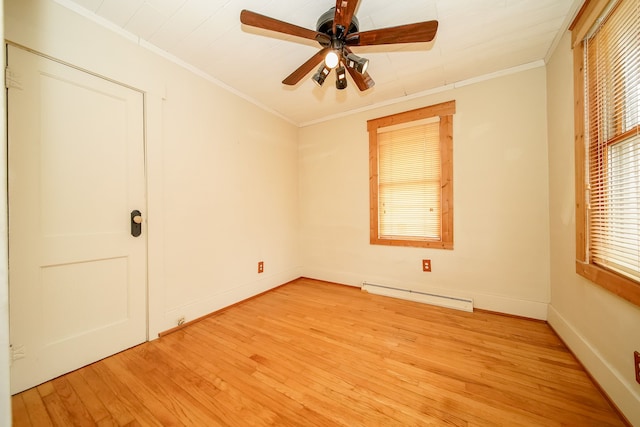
column 607, row 126
column 411, row 178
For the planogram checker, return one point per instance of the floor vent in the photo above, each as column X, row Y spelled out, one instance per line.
column 457, row 303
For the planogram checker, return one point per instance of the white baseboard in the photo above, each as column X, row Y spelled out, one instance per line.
column 464, row 304
column 517, row 307
column 218, row 301
column 341, row 277
column 499, row 304
column 609, row 379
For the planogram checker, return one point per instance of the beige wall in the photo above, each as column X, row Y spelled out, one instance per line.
column 222, row 173
column 601, row 328
column 501, row 254
column 229, row 184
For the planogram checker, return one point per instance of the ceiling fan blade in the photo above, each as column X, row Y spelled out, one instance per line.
column 363, row 81
column 260, row 21
column 410, row 33
column 344, row 13
column 305, row 68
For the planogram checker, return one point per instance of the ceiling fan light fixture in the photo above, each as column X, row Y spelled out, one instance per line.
column 337, row 30
column 357, row 63
column 320, row 75
column 341, row 78
column 332, row 59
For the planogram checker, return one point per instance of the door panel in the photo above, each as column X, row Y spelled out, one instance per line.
column 100, row 284
column 77, row 277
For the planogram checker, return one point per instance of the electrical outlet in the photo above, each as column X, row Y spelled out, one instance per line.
column 636, row 357
column 261, row 267
column 426, row 265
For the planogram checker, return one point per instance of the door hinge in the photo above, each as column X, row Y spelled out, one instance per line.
column 17, row 352
column 12, row 79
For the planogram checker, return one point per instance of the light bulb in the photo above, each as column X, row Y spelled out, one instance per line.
column 321, row 75
column 331, row 60
column 341, row 77
column 357, row 63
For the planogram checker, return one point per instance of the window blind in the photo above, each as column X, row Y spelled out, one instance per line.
column 612, row 88
column 409, row 181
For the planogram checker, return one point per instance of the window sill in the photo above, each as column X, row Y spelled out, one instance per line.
column 435, row 244
column 613, row 282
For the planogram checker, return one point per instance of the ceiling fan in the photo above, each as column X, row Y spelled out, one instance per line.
column 337, row 30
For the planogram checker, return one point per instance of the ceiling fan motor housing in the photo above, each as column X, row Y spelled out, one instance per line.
column 325, row 23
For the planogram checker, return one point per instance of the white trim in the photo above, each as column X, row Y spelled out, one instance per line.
column 5, row 360
column 506, row 72
column 379, row 105
column 447, row 87
column 98, row 19
column 619, row 390
column 499, row 304
column 164, row 54
column 447, row 301
column 573, row 12
column 217, row 301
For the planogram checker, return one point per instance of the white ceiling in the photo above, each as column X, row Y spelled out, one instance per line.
column 475, row 38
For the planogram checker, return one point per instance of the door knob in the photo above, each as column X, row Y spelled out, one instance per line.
column 136, row 223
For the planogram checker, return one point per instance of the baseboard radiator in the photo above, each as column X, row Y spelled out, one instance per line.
column 457, row 303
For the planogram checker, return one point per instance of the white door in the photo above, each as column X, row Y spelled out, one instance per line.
column 77, row 276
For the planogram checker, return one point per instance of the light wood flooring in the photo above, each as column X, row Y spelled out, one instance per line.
column 312, row 353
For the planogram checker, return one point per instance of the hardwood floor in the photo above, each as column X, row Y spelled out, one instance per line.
column 317, row 354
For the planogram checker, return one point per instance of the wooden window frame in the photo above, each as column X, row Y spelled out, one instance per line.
column 608, row 279
column 445, row 111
